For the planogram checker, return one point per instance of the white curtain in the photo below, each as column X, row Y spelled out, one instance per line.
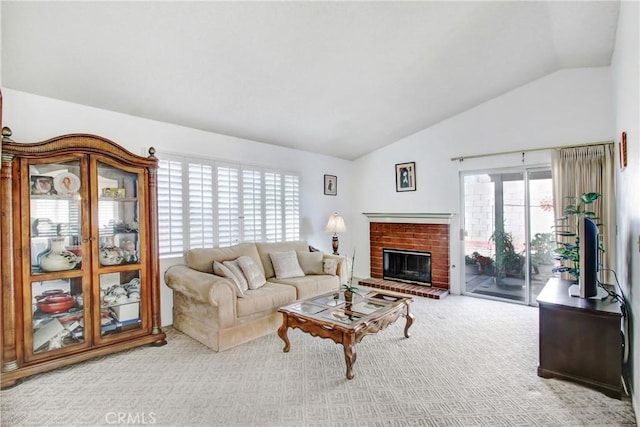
column 579, row 170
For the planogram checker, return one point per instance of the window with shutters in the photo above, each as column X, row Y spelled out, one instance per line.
column 208, row 203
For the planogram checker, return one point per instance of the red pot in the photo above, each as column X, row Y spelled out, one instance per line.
column 56, row 304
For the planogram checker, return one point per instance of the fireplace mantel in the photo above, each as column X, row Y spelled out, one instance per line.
column 410, row 218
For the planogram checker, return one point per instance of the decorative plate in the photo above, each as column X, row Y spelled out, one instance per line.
column 66, row 183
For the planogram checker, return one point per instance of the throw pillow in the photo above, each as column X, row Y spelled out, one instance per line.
column 311, row 262
column 253, row 273
column 286, row 265
column 330, row 266
column 237, row 272
column 223, row 271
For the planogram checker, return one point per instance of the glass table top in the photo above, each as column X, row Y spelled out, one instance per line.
column 333, row 306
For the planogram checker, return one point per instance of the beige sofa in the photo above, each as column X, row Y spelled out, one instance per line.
column 211, row 308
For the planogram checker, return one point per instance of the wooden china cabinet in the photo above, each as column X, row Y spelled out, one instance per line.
column 79, row 267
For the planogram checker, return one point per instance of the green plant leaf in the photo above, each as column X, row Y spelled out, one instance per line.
column 589, row 197
column 572, row 211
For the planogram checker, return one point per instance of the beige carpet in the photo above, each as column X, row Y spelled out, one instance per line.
column 469, row 362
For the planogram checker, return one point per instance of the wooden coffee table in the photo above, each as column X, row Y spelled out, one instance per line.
column 346, row 323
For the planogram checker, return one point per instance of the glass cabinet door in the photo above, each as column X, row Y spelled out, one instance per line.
column 57, row 284
column 120, row 276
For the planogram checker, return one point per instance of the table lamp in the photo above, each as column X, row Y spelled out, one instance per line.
column 335, row 226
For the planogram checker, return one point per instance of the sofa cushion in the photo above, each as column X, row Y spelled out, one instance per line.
column 221, row 270
column 331, row 266
column 310, row 262
column 286, row 265
column 201, row 259
column 269, row 297
column 264, row 249
column 309, row 286
column 235, row 269
column 252, row 272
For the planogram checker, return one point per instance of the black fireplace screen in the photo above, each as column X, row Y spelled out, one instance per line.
column 407, row 266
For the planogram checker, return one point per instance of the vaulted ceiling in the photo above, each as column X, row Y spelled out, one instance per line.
column 338, row 78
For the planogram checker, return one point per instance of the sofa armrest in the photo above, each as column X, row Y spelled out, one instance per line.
column 341, row 271
column 203, row 287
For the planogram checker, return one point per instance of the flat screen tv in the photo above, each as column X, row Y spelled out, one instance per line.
column 587, row 286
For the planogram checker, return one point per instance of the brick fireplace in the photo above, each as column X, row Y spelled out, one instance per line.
column 416, row 232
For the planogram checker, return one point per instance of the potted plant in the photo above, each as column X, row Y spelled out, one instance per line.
column 471, row 263
column 508, row 261
column 542, row 252
column 568, row 253
column 348, row 287
column 486, row 264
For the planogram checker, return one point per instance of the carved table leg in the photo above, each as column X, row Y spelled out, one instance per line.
column 409, row 318
column 350, row 354
column 282, row 333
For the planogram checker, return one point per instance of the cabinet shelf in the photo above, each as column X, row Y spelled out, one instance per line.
column 57, row 318
column 40, row 275
column 60, row 197
column 119, row 267
column 118, row 199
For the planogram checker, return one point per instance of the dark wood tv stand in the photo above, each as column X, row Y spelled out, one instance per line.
column 580, row 339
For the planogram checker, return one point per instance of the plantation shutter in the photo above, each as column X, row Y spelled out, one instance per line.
column 201, row 203
column 228, row 206
column 273, row 207
column 106, row 217
column 170, row 209
column 292, row 207
column 251, row 205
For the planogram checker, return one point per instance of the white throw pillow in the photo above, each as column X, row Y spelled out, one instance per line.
column 237, row 272
column 311, row 262
column 253, row 273
column 286, row 265
column 330, row 266
column 223, row 271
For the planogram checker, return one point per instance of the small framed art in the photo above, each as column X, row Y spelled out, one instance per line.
column 406, row 176
column 622, row 148
column 330, row 185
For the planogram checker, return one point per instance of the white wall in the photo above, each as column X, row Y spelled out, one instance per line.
column 626, row 75
column 567, row 107
column 34, row 118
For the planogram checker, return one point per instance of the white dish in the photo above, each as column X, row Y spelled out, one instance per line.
column 66, row 183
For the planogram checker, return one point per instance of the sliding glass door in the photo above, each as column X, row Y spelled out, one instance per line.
column 508, row 233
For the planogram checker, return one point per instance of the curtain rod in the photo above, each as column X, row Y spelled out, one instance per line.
column 501, row 153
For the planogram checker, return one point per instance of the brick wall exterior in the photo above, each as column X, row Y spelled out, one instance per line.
column 421, row 237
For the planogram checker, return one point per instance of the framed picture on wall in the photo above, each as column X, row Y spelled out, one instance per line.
column 330, row 185
column 622, row 148
column 406, row 176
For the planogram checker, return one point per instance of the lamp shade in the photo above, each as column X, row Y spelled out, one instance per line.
column 335, row 224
